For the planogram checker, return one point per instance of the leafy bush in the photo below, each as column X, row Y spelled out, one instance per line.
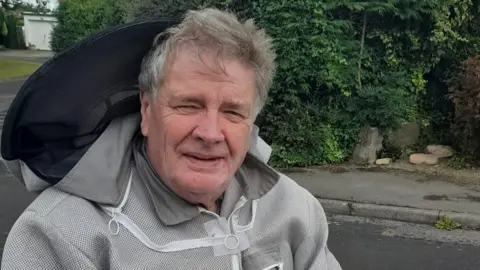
column 78, row 19
column 327, row 150
column 141, row 9
column 342, row 65
column 335, row 71
column 465, row 95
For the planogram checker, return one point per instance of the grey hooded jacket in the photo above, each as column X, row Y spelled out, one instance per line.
column 100, row 216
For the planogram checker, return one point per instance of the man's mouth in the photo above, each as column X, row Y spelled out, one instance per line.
column 196, row 158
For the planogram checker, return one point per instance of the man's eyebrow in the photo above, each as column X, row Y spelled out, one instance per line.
column 231, row 104
column 186, row 98
column 236, row 105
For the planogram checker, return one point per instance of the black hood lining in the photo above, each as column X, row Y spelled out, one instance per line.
column 51, row 147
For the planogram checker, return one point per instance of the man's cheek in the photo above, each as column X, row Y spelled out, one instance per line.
column 238, row 141
column 242, row 133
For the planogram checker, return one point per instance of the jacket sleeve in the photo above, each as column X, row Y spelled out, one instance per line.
column 313, row 253
column 35, row 243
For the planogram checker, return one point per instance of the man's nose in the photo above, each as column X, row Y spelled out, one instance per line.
column 208, row 128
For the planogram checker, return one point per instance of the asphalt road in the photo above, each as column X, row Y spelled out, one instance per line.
column 371, row 244
column 14, row 198
column 7, row 93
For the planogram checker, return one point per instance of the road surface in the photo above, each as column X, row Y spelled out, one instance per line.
column 371, row 244
column 7, row 93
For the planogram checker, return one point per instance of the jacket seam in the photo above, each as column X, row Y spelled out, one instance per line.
column 308, row 229
column 62, row 235
column 52, row 207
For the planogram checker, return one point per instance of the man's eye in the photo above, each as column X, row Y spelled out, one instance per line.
column 235, row 114
column 187, row 108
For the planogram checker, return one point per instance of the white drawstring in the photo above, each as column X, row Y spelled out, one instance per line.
column 113, row 211
column 117, row 218
column 172, row 246
column 252, row 221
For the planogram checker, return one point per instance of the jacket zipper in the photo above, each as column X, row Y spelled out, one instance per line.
column 236, row 265
column 234, row 258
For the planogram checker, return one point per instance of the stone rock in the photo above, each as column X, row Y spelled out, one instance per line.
column 383, row 161
column 427, row 159
column 441, row 151
column 407, row 135
column 370, row 142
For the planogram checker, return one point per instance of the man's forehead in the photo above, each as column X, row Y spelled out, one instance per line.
column 206, row 62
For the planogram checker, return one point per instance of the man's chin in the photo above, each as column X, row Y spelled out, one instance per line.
column 200, row 184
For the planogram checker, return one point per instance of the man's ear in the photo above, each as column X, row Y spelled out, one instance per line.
column 142, row 95
column 145, row 111
column 144, row 101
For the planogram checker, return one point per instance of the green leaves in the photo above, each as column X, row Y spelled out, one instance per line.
column 319, row 44
column 333, row 77
column 447, row 223
column 80, row 19
column 314, row 61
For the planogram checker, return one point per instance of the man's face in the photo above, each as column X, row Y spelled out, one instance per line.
column 198, row 126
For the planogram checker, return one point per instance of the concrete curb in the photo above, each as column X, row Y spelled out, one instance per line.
column 397, row 213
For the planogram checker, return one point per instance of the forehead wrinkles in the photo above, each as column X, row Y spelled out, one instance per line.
column 187, row 76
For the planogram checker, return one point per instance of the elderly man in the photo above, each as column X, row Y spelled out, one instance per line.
column 184, row 184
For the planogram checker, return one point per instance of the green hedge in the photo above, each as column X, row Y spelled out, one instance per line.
column 348, row 64
column 78, row 19
column 342, row 65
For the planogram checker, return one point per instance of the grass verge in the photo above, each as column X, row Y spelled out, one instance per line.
column 11, row 69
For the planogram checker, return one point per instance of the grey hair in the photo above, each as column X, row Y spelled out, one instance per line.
column 219, row 32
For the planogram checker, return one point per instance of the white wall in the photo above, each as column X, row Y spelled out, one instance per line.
column 38, row 30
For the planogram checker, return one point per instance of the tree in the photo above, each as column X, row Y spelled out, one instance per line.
column 79, row 19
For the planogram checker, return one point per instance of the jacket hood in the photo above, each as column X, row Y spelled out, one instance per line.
column 101, row 174
column 72, row 122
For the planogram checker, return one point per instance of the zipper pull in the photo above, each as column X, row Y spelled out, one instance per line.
column 113, row 225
